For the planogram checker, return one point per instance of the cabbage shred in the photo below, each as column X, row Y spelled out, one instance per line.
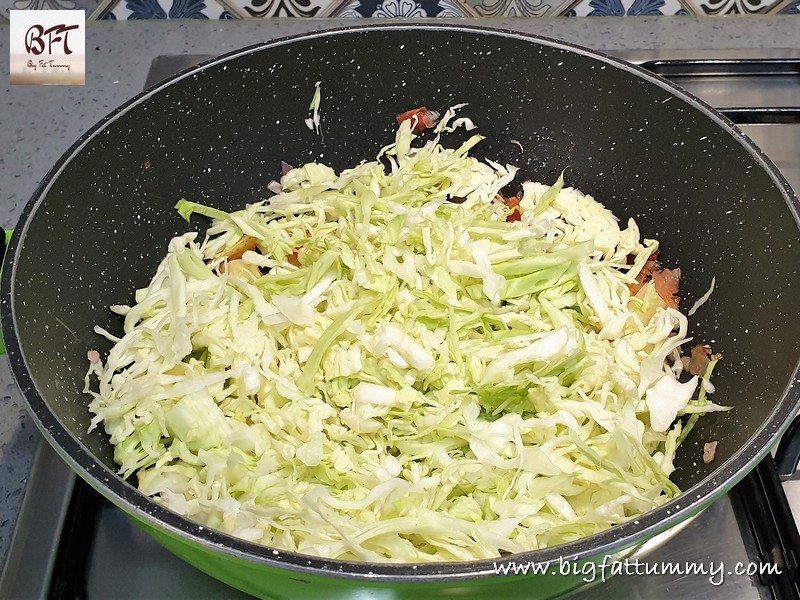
column 392, row 371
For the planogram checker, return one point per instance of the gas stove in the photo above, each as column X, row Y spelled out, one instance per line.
column 71, row 543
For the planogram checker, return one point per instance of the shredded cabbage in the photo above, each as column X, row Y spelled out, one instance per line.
column 377, row 365
column 702, row 299
column 312, row 122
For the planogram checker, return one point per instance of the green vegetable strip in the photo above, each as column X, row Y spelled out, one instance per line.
column 306, row 380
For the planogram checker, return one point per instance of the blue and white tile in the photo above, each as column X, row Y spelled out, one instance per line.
column 732, row 7
column 622, row 8
column 134, row 10
column 393, row 9
column 793, row 8
column 259, row 9
column 517, row 8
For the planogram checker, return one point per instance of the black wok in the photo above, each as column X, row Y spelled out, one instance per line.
column 101, row 220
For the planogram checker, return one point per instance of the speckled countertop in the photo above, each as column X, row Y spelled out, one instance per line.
column 38, row 124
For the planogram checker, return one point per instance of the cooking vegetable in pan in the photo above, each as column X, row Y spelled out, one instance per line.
column 397, row 363
column 215, row 135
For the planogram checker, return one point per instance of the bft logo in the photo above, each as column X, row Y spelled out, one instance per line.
column 48, row 47
column 57, row 35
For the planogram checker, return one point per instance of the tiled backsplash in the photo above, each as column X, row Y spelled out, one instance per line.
column 256, row 9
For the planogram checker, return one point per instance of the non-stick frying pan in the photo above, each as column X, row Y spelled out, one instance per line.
column 101, row 220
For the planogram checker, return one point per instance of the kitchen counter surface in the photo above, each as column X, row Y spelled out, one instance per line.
column 38, row 124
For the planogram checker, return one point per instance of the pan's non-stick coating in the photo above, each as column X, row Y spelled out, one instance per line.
column 102, row 221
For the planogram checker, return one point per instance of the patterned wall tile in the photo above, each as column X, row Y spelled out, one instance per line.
column 90, row 6
column 452, row 8
column 347, row 9
column 134, row 10
column 620, row 8
column 249, row 9
column 793, row 8
column 518, row 8
column 731, row 7
column 398, row 8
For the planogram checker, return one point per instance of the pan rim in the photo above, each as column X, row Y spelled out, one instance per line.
column 125, row 496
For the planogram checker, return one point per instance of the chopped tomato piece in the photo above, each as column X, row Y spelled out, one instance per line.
column 515, row 215
column 646, row 272
column 666, row 282
column 644, row 275
column 421, row 118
